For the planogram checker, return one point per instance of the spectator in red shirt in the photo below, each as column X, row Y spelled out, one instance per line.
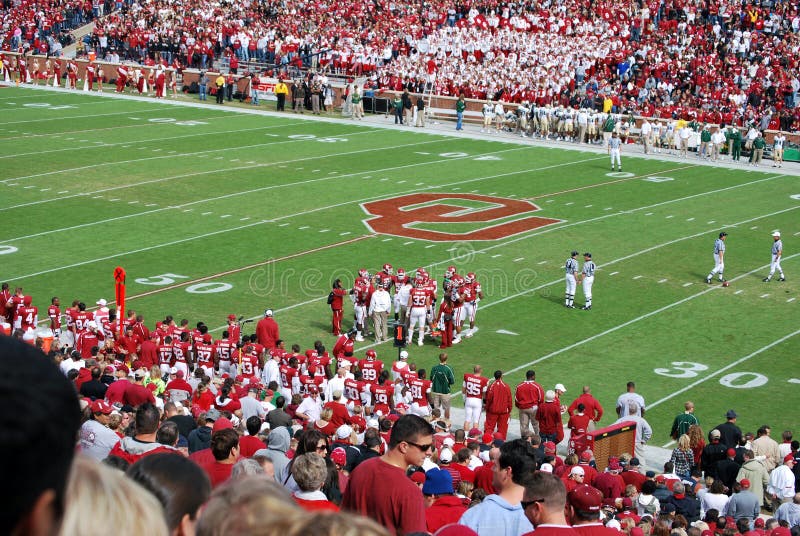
column 267, row 330
column 136, row 393
column 250, row 443
column 585, row 503
column 399, row 507
column 527, row 397
column 549, row 416
column 225, row 448
column 116, row 391
column 443, row 507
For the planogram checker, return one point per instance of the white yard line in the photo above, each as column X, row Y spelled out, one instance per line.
column 77, row 117
column 723, row 369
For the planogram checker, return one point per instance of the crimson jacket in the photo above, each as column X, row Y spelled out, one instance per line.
column 498, row 398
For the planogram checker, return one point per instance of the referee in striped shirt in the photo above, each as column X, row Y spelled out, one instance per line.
column 571, row 269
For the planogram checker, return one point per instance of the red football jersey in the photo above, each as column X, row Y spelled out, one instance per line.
column 287, row 374
column 419, row 297
column 307, row 381
column 28, row 317
column 381, row 395
column 249, row 365
column 370, row 369
column 82, row 319
column 205, row 354
column 352, row 389
column 54, row 313
column 475, row 385
column 165, row 354
column 224, row 349
column 180, row 352
column 419, row 391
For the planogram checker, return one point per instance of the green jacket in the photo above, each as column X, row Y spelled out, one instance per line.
column 397, row 103
column 461, row 106
column 442, row 378
column 759, row 143
column 705, row 136
column 609, row 124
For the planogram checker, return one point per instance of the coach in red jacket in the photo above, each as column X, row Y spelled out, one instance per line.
column 267, row 331
column 549, row 416
column 498, row 405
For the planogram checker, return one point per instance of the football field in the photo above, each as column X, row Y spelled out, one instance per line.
column 213, row 211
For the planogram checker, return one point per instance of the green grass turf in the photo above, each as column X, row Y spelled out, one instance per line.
column 163, row 189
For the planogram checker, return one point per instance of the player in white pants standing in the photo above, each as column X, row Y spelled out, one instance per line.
column 719, row 257
column 614, row 149
column 587, row 279
column 777, row 252
column 418, row 303
column 571, row 269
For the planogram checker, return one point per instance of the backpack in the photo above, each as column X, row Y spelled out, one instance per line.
column 330, row 298
column 650, row 509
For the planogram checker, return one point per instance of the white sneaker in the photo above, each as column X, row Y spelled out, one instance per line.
column 456, row 340
column 468, row 333
column 419, row 343
column 359, row 338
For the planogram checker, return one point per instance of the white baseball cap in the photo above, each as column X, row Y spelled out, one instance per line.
column 268, row 312
column 102, row 302
column 403, row 355
column 776, row 233
column 560, row 387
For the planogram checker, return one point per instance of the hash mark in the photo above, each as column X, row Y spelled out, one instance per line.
column 132, row 202
column 754, row 227
column 549, row 200
column 324, row 230
column 45, row 190
column 400, row 182
column 498, row 255
column 29, row 187
column 790, row 300
column 114, row 199
column 588, row 206
column 304, row 227
column 690, row 219
column 283, row 225
column 344, row 233
column 64, row 192
column 668, row 217
column 519, row 259
column 187, row 210
column 541, row 262
column 240, row 219
column 206, row 213
column 608, row 208
column 408, row 243
column 688, row 284
column 315, row 171
column 764, row 296
column 637, row 277
column 386, row 240
column 662, row 280
column 738, row 292
column 649, row 214
column 712, row 221
column 225, row 216
column 97, row 197
column 429, row 246
column 570, row 203
column 613, row 273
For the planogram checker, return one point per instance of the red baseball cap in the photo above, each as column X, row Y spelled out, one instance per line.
column 549, row 447
column 231, row 317
column 586, row 456
column 788, row 458
column 585, row 498
column 101, row 406
column 223, row 423
column 487, row 438
column 744, row 483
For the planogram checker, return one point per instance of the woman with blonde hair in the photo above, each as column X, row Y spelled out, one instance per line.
column 102, row 500
column 154, row 379
column 683, row 458
column 324, row 424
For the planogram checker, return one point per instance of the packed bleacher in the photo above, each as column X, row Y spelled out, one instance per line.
column 737, row 60
column 177, row 431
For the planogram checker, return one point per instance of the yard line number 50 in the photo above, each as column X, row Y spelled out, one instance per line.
column 208, row 287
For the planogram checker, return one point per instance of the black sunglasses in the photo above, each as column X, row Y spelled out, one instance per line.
column 423, row 448
column 526, row 504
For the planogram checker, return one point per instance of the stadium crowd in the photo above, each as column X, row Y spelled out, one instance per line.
column 730, row 62
column 180, row 433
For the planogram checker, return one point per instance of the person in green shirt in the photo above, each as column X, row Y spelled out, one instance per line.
column 461, row 105
column 758, row 150
column 608, row 127
column 735, row 143
column 358, row 105
column 442, row 378
column 683, row 421
column 705, row 143
column 397, row 104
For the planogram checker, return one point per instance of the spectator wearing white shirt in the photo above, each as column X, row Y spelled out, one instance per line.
column 379, row 307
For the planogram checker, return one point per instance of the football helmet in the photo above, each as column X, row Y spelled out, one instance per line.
column 363, row 273
column 372, row 354
column 401, row 273
column 470, row 277
column 387, row 268
column 451, row 270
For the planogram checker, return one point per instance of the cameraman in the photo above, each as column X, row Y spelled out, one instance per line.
column 337, row 304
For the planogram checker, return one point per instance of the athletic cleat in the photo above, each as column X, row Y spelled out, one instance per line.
column 708, row 280
column 586, row 307
column 570, row 306
column 765, row 280
column 468, row 334
column 359, row 338
column 782, row 279
column 419, row 343
column 456, row 340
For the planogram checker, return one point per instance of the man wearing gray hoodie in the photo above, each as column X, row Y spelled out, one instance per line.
column 277, row 445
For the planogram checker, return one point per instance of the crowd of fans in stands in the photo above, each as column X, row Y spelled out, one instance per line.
column 654, row 59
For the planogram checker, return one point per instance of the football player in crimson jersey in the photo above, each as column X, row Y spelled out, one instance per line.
column 224, row 348
column 419, row 301
column 205, row 356
column 420, row 390
column 352, row 390
column 15, row 304
column 385, row 278
column 165, row 355
column 54, row 314
column 382, row 396
column 81, row 319
column 472, row 294
column 27, row 315
column 456, row 289
column 290, row 381
column 87, row 341
column 361, row 292
column 320, row 360
column 370, row 367
column 344, row 345
column 431, row 287
column 248, row 364
column 310, row 377
column 474, row 389
column 5, row 297
column 336, row 302
column 182, row 353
